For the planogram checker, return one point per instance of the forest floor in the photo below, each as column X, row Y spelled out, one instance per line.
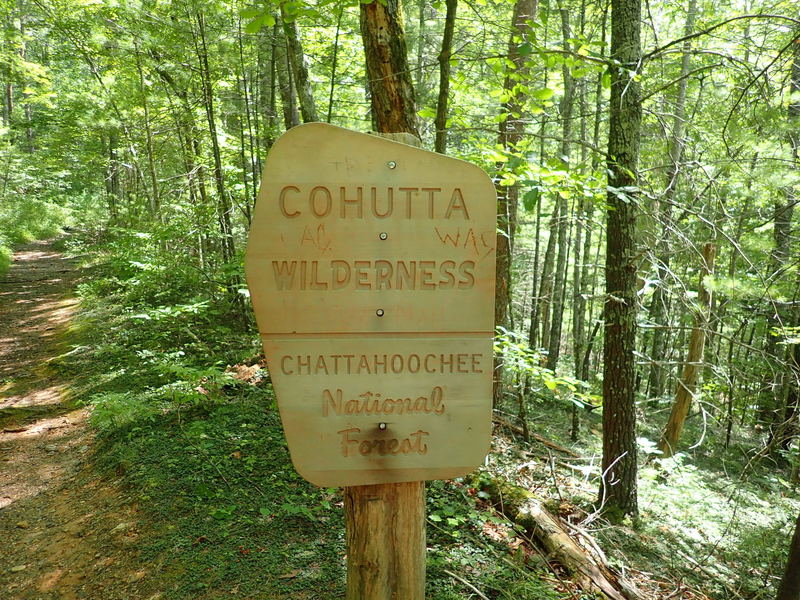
column 142, row 458
column 66, row 532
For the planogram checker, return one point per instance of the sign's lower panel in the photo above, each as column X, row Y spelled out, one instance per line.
column 361, row 411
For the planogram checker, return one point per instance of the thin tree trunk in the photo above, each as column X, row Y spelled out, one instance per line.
column 115, row 193
column 567, row 103
column 251, row 169
column 511, row 132
column 291, row 116
column 267, row 90
column 533, row 330
column 333, row 62
column 444, row 76
column 155, row 202
column 589, row 271
column 297, row 60
column 546, row 287
column 694, row 357
column 223, row 202
column 420, row 90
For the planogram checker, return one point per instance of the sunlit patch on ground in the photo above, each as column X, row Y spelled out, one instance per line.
column 56, row 520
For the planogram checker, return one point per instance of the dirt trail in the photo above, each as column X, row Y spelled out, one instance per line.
column 64, row 531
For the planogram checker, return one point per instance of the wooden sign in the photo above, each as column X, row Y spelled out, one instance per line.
column 371, row 268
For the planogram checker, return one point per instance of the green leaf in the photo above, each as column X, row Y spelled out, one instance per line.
column 531, row 198
column 253, row 26
column 543, row 94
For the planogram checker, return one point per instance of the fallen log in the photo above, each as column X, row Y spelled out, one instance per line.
column 590, row 570
column 544, row 441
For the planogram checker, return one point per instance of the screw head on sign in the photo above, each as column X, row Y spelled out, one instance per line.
column 381, row 426
column 391, row 164
column 379, row 312
column 383, row 235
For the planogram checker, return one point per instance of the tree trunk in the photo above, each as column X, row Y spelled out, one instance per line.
column 694, row 357
column 387, row 550
column 421, row 84
column 155, row 202
column 291, row 116
column 385, row 524
column 297, row 61
column 511, row 131
column 391, row 88
column 588, row 275
column 619, row 485
column 444, row 76
column 546, row 288
column 223, row 202
column 789, row 588
column 567, row 103
column 267, row 113
column 333, row 63
column 533, row 329
column 250, row 168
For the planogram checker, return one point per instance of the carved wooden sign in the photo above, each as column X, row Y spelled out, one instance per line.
column 371, row 267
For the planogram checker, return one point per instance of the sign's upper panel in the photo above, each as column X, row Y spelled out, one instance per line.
column 358, row 234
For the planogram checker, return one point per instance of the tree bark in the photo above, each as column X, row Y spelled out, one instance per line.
column 297, row 61
column 250, row 168
column 334, row 60
column 223, row 202
column 444, row 76
column 385, row 524
column 619, row 484
column 566, row 107
column 391, row 88
column 385, row 541
column 511, row 132
column 155, row 201
column 789, row 588
column 291, row 116
column 548, row 267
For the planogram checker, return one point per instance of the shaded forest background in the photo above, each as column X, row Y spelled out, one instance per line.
column 144, row 126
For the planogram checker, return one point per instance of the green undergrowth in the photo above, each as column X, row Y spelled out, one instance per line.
column 715, row 519
column 159, row 350
column 158, row 357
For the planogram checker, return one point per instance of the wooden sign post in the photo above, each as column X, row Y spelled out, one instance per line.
column 371, row 266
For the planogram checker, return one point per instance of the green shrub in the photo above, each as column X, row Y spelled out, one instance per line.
column 5, row 258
